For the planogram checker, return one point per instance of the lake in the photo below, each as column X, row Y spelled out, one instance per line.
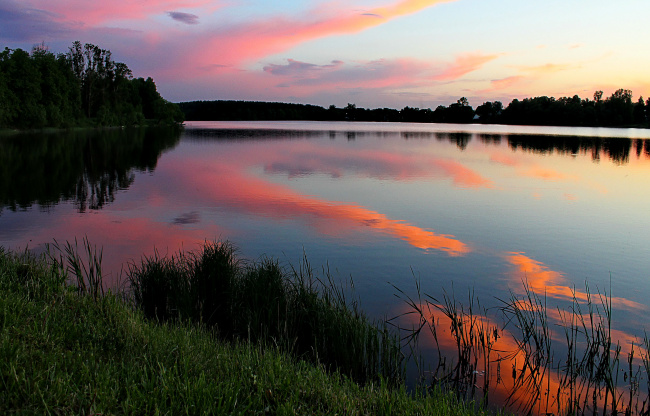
column 470, row 211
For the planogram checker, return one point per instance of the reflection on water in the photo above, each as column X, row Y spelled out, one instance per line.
column 84, row 166
column 482, row 208
column 616, row 149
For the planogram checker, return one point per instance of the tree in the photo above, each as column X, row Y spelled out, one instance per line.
column 639, row 112
column 598, row 95
column 59, row 88
column 8, row 100
column 622, row 94
column 25, row 85
column 350, row 112
column 618, row 109
column 489, row 112
column 460, row 112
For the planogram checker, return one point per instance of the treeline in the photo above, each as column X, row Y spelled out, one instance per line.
column 250, row 110
column 81, row 87
column 618, row 110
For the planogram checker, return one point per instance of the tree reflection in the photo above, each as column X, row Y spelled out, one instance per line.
column 616, row 149
column 86, row 167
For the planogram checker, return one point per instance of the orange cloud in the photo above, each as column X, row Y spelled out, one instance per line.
column 251, row 195
column 245, row 193
column 544, row 281
column 462, row 176
column 505, row 83
column 464, row 64
column 503, row 370
column 534, row 171
column 547, row 174
column 504, row 159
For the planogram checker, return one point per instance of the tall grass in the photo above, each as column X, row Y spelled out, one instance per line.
column 294, row 310
column 64, row 352
column 85, row 269
column 574, row 366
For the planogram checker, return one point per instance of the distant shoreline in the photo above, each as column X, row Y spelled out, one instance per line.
column 407, row 127
column 618, row 111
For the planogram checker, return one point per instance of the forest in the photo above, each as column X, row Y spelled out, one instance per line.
column 83, row 87
column 618, row 110
column 86, row 87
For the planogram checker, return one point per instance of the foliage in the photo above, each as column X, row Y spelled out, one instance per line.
column 262, row 303
column 65, row 352
column 82, row 87
column 616, row 111
column 85, row 166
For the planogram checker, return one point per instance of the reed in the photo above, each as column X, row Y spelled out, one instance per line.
column 83, row 265
column 66, row 353
column 584, row 370
column 472, row 334
column 295, row 310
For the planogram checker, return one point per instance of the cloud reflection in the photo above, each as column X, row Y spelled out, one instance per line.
column 498, row 363
column 301, row 160
column 546, row 282
column 228, row 186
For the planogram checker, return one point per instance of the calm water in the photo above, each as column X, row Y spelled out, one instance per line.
column 459, row 207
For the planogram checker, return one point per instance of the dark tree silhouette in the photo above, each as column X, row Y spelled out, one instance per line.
column 617, row 110
column 82, row 87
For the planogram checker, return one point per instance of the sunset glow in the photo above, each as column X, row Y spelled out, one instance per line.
column 500, row 361
column 544, row 281
column 246, row 193
column 390, row 53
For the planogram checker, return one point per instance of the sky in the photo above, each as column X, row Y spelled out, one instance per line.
column 372, row 53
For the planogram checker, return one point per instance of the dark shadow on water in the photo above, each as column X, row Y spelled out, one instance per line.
column 87, row 167
column 616, row 149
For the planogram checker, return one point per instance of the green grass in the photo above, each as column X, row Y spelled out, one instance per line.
column 261, row 302
column 65, row 351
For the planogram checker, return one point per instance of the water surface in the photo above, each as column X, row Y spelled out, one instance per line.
column 458, row 208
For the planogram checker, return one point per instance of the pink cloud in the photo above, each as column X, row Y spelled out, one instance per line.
column 307, row 78
column 548, row 174
column 247, row 194
column 505, row 83
column 533, row 170
column 465, row 64
column 235, row 45
column 93, row 13
column 300, row 69
column 531, row 73
column 504, row 159
column 375, row 74
column 377, row 164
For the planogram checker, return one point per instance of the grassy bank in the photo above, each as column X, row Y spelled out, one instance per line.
column 68, row 348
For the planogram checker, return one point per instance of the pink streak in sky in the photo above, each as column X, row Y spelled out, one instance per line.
column 237, row 45
column 465, row 64
column 93, row 13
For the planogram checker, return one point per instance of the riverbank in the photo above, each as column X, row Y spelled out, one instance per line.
column 66, row 348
